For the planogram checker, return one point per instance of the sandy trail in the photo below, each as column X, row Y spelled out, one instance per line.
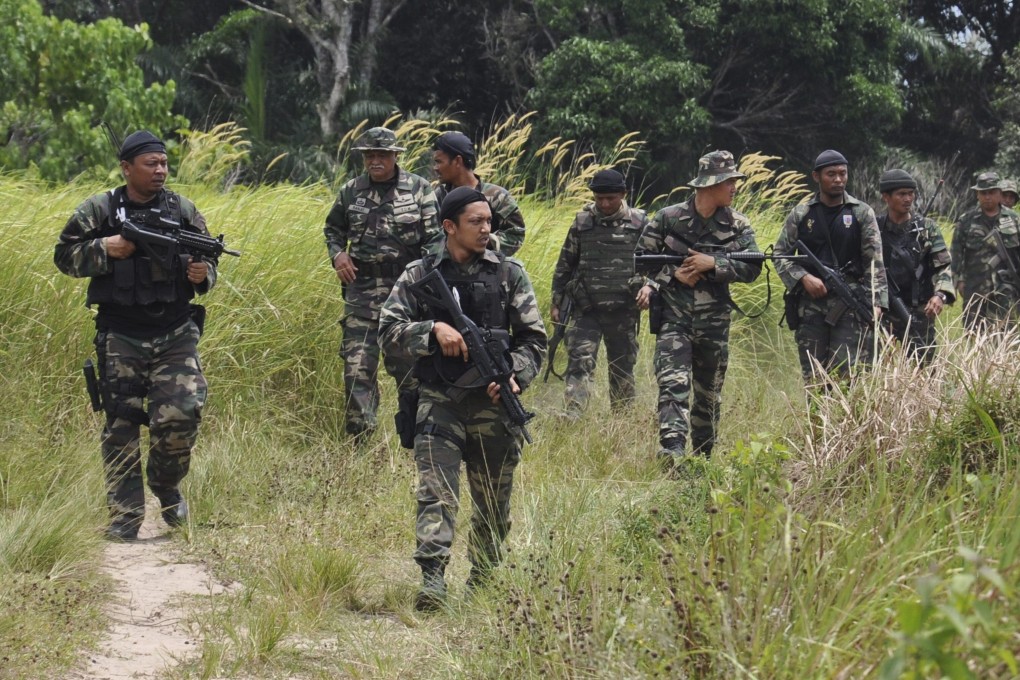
column 147, row 634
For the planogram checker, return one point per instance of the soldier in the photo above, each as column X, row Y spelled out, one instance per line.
column 842, row 232
column 453, row 161
column 916, row 263
column 146, row 334
column 381, row 221
column 458, row 418
column 596, row 270
column 985, row 252
column 692, row 348
column 1009, row 193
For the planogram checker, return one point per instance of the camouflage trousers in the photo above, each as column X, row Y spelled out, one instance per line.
column 837, row 344
column 919, row 338
column 691, row 355
column 360, row 352
column 468, row 429
column 158, row 382
column 618, row 330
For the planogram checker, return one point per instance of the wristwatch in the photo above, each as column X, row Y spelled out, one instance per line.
column 941, row 295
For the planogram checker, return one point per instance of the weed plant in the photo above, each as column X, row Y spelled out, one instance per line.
column 853, row 530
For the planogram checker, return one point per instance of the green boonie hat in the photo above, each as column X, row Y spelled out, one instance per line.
column 987, row 181
column 377, row 139
column 714, row 168
column 1008, row 185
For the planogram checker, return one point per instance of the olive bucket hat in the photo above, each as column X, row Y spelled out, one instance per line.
column 377, row 139
column 987, row 181
column 714, row 168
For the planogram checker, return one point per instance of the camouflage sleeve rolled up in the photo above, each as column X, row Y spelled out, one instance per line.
column 652, row 241
column 80, row 252
column 790, row 272
column 566, row 265
column 526, row 325
column 942, row 275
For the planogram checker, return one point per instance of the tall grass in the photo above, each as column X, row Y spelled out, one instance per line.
column 868, row 529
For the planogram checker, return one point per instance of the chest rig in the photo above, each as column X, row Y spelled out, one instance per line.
column 139, row 279
column 908, row 275
column 834, row 239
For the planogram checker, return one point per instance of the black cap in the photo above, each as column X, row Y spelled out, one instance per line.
column 894, row 179
column 457, row 144
column 829, row 157
column 607, row 182
column 141, row 142
column 456, row 200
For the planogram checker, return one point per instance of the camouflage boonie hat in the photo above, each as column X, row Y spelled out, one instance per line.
column 1008, row 186
column 987, row 181
column 714, row 168
column 377, row 139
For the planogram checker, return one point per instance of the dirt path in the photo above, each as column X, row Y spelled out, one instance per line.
column 147, row 634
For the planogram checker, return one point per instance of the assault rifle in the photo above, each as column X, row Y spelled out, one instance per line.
column 836, row 284
column 166, row 244
column 648, row 262
column 566, row 311
column 485, row 349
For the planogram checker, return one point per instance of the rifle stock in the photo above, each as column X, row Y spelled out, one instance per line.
column 485, row 352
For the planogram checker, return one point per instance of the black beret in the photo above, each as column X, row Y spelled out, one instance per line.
column 456, row 144
column 896, row 179
column 607, row 182
column 141, row 142
column 456, row 200
column 829, row 157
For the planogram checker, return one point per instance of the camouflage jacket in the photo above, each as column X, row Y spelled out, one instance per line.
column 507, row 220
column 870, row 249
column 598, row 256
column 928, row 259
column 394, row 229
column 727, row 229
column 405, row 326
column 976, row 257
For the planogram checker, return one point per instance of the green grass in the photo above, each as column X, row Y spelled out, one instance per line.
column 875, row 525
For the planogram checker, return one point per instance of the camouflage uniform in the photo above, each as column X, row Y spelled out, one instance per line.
column 692, row 345
column 507, row 221
column 149, row 367
column 978, row 267
column 596, row 270
column 461, row 424
column 382, row 232
column 828, row 331
column 918, row 267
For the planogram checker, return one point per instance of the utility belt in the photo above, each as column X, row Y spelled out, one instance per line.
column 380, row 270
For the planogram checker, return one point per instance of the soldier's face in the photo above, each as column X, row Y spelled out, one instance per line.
column 899, row 201
column 607, row 204
column 146, row 173
column 446, row 168
column 1009, row 199
column 831, row 180
column 722, row 193
column 380, row 165
column 989, row 200
column 471, row 230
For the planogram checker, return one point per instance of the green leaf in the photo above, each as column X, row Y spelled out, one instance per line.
column 911, row 616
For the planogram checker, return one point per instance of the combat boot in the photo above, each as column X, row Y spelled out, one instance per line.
column 123, row 529
column 478, row 578
column 175, row 508
column 432, row 595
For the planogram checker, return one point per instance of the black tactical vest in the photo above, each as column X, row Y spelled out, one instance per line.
column 908, row 272
column 138, row 279
column 834, row 238
column 483, row 298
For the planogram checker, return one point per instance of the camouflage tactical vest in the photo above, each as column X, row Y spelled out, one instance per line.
column 138, row 279
column 605, row 272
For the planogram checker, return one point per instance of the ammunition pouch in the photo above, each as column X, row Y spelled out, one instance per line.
column 406, row 416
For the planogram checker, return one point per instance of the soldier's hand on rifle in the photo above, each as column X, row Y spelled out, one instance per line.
column 118, row 247
column 934, row 306
column 554, row 312
column 344, row 266
column 644, row 297
column 451, row 342
column 694, row 268
column 198, row 270
column 493, row 390
column 814, row 286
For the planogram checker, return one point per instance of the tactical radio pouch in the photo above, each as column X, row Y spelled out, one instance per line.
column 655, row 305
